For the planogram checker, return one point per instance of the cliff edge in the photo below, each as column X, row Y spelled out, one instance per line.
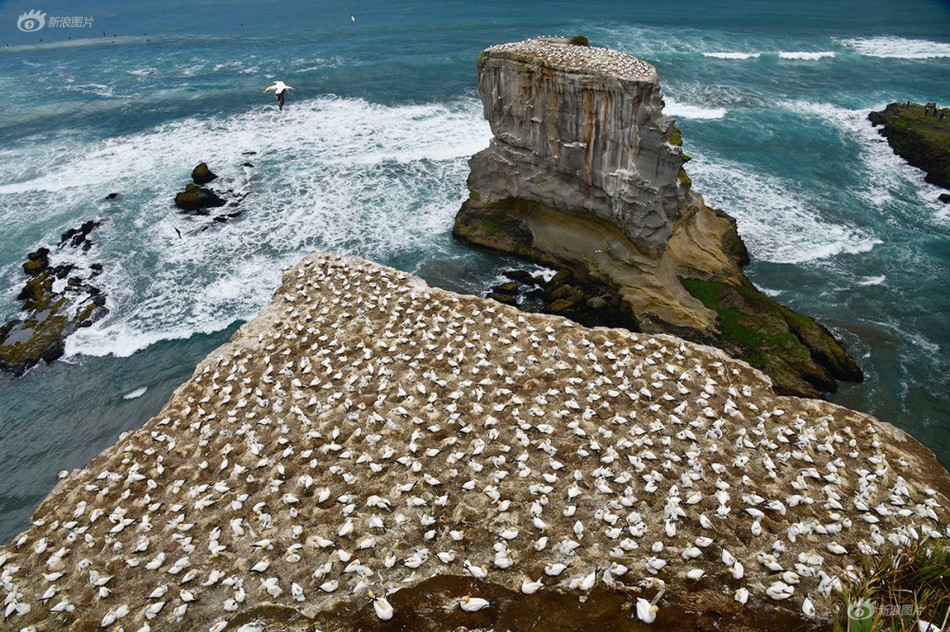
column 585, row 171
column 370, row 453
column 920, row 134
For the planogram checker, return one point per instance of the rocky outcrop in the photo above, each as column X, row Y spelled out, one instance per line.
column 198, row 199
column 369, row 436
column 920, row 134
column 585, row 172
column 578, row 129
column 201, row 174
column 58, row 298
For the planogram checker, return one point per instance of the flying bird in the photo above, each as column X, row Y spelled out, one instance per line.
column 279, row 88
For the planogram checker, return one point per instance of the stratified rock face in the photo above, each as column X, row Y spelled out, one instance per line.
column 583, row 173
column 578, row 127
column 369, row 434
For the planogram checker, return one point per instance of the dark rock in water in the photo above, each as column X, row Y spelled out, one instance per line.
column 221, row 219
column 919, row 137
column 561, row 276
column 49, row 316
column 36, row 262
column 202, row 175
column 522, row 276
column 196, row 199
column 79, row 237
column 944, row 197
column 566, row 292
column 112, row 196
column 507, row 299
column 39, row 253
column 510, row 288
column 560, row 305
column 62, row 271
column 35, row 289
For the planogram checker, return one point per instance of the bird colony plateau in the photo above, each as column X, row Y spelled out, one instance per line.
column 560, row 54
column 367, row 432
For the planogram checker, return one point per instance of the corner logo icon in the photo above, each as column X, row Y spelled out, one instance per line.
column 860, row 610
column 31, row 22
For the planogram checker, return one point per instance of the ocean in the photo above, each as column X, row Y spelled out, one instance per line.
column 369, row 157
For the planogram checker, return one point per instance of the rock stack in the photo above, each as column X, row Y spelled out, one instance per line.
column 585, row 172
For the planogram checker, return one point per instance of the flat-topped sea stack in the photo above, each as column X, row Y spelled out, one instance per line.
column 585, row 172
column 371, row 453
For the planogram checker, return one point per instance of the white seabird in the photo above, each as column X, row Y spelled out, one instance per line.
column 279, row 88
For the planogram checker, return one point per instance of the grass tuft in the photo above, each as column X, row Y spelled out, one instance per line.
column 903, row 590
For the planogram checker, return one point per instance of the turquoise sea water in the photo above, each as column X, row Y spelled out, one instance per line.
column 370, row 158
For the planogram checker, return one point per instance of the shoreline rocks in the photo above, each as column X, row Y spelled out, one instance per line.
column 57, row 300
column 585, row 173
column 920, row 134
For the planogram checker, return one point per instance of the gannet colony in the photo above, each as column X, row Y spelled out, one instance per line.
column 367, row 433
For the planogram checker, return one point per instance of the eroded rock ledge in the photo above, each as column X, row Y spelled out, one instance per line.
column 367, row 434
column 920, row 134
column 585, row 172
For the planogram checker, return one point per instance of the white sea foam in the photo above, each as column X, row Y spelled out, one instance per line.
column 807, row 56
column 886, row 176
column 135, row 394
column 732, row 55
column 897, row 47
column 337, row 174
column 98, row 89
column 777, row 223
column 875, row 280
column 683, row 110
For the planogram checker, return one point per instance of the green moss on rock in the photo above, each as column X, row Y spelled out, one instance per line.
column 918, row 136
column 795, row 351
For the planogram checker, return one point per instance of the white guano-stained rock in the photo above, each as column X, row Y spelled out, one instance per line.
column 367, row 434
